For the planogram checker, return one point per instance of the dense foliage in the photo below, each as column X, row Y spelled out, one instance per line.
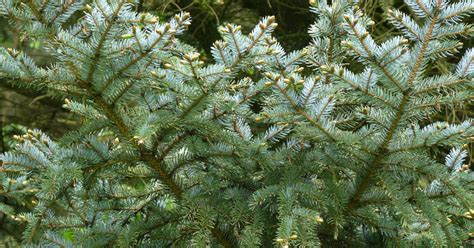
column 260, row 147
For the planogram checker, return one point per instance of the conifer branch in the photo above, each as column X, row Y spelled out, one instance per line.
column 377, row 162
column 174, row 150
column 372, row 58
column 304, row 114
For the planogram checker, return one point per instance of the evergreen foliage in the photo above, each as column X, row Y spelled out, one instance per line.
column 261, row 147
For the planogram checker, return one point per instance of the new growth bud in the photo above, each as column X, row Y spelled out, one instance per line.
column 299, row 69
column 271, row 20
column 319, row 219
column 126, row 36
column 346, row 17
column 268, row 74
column 364, row 35
column 365, row 110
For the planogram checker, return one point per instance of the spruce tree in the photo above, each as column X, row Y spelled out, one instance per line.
column 333, row 145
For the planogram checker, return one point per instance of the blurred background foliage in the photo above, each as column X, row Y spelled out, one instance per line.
column 21, row 108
